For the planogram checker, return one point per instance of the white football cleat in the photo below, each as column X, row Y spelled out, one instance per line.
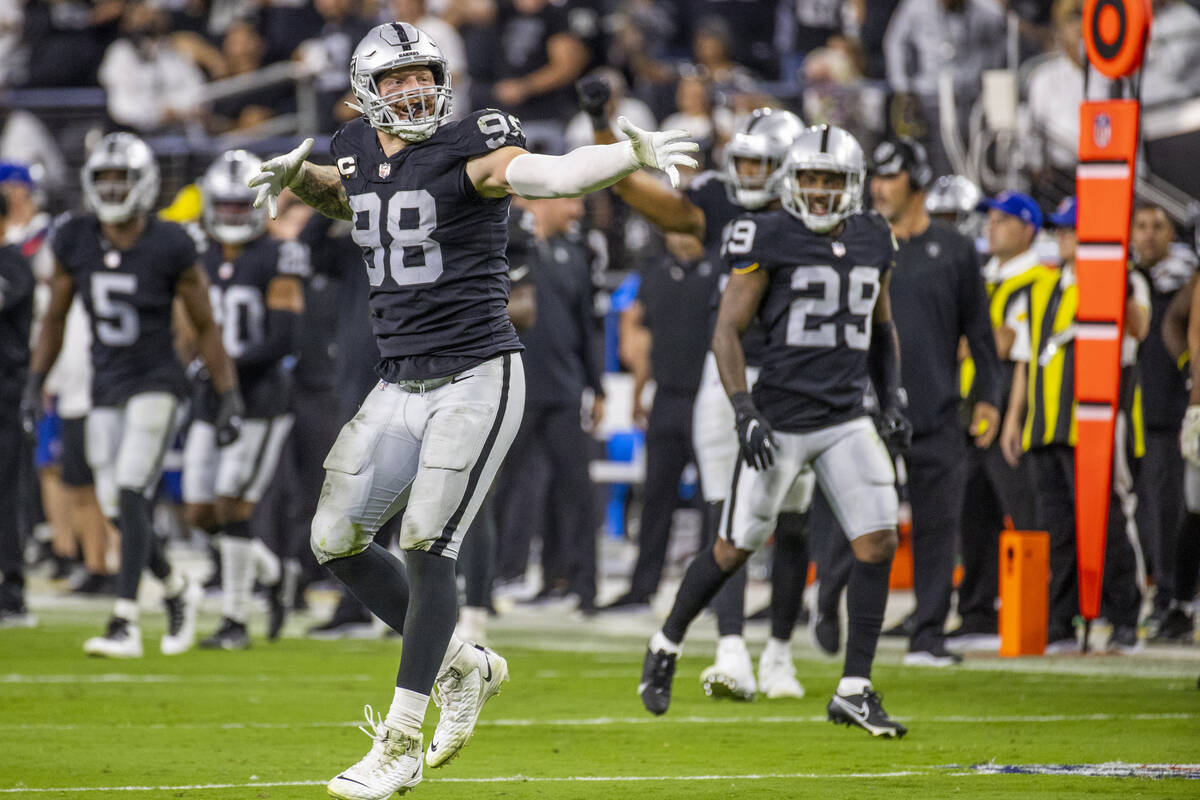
column 461, row 696
column 732, row 675
column 181, row 620
column 392, row 765
column 122, row 640
column 777, row 676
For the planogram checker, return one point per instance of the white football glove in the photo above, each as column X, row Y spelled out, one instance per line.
column 277, row 174
column 665, row 150
column 1189, row 436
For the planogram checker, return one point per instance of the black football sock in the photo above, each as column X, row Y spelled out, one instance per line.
column 475, row 557
column 729, row 604
column 1187, row 557
column 378, row 580
column 701, row 582
column 137, row 539
column 428, row 628
column 789, row 573
column 866, row 599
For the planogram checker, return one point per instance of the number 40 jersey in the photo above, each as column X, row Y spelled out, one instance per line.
column 817, row 312
column 433, row 247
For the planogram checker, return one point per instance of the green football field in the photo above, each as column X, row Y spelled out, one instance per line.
column 279, row 720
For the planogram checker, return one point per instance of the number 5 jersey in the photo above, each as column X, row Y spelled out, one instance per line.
column 433, row 247
column 817, row 312
column 128, row 295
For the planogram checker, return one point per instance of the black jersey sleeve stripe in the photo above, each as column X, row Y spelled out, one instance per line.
column 477, row 470
column 725, row 530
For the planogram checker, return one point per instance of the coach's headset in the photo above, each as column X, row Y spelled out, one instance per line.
column 903, row 154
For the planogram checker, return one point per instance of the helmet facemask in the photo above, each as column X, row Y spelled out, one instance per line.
column 120, row 179
column 753, row 188
column 821, row 209
column 415, row 113
column 229, row 213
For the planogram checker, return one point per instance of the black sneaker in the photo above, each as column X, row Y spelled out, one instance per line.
column 935, row 656
column 905, row 627
column 89, row 583
column 230, row 636
column 276, row 610
column 1124, row 640
column 827, row 632
column 349, row 621
column 628, row 603
column 866, row 711
column 657, row 672
column 1176, row 627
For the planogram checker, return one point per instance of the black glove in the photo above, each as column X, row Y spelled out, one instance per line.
column 755, row 437
column 31, row 402
column 594, row 93
column 895, row 429
column 230, row 411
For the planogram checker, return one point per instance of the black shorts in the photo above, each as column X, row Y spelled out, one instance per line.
column 75, row 469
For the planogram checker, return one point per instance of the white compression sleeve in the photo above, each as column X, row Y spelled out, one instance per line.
column 580, row 171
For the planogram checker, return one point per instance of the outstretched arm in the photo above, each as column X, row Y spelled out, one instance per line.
column 318, row 186
column 513, row 170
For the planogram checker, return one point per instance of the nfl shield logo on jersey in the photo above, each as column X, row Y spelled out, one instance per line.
column 385, row 169
column 839, row 249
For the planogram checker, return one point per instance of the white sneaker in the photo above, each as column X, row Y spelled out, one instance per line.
column 123, row 640
column 777, row 676
column 392, row 765
column 461, row 696
column 732, row 675
column 181, row 620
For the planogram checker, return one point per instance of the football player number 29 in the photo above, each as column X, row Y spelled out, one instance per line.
column 807, row 324
column 116, row 317
column 410, row 256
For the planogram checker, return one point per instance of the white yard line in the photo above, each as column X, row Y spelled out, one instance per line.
column 497, row 779
column 586, row 722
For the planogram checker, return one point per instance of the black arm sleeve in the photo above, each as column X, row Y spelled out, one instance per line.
column 279, row 341
column 16, row 280
column 590, row 355
column 975, row 323
column 883, row 360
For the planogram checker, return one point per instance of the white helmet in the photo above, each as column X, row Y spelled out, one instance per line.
column 392, row 45
column 229, row 213
column 823, row 148
column 764, row 136
column 953, row 194
column 115, row 201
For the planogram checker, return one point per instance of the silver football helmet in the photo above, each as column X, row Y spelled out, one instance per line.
column 229, row 213
column 830, row 149
column 953, row 195
column 116, row 200
column 411, row 114
column 764, row 137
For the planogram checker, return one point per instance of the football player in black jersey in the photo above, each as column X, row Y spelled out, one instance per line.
column 257, row 296
column 815, row 273
column 131, row 268
column 429, row 200
column 712, row 202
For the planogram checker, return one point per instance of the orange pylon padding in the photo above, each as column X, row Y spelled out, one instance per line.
column 1024, row 592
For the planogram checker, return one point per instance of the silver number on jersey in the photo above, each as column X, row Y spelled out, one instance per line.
column 391, row 258
column 238, row 309
column 738, row 237
column 116, row 318
column 497, row 127
column 803, row 311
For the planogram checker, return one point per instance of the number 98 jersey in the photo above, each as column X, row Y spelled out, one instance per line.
column 128, row 295
column 817, row 312
column 433, row 247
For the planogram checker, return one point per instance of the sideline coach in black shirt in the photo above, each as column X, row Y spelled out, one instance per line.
column 938, row 298
column 16, row 315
